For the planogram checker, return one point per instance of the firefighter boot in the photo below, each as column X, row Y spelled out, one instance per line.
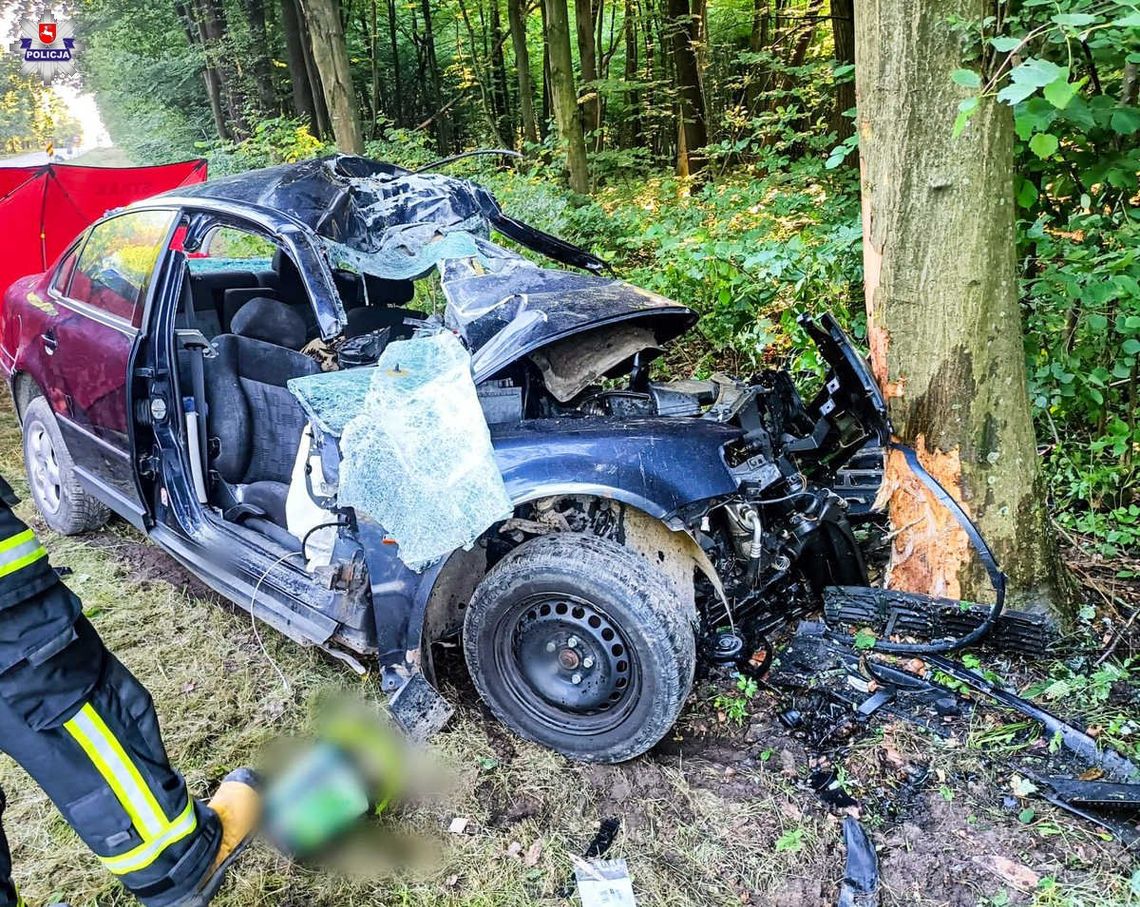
column 237, row 804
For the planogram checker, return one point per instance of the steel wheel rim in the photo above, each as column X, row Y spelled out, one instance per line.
column 540, row 679
column 47, row 483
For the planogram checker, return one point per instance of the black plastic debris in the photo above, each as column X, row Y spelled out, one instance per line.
column 826, row 783
column 601, row 843
column 892, row 612
column 860, row 885
column 1072, row 737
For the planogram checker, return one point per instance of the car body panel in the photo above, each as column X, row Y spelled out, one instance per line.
column 507, row 309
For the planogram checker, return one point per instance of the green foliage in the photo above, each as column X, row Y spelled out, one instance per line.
column 735, row 706
column 31, row 115
column 1082, row 315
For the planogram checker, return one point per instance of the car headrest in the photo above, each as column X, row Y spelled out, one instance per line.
column 271, row 321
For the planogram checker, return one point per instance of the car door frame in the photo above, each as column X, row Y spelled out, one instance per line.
column 125, row 497
column 222, row 555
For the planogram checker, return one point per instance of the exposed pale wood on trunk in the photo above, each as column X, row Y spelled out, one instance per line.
column 941, row 289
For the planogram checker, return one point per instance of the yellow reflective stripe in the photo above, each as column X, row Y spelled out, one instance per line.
column 18, row 551
column 18, row 539
column 120, row 773
column 149, row 851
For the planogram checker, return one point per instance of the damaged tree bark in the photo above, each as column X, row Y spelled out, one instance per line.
column 944, row 327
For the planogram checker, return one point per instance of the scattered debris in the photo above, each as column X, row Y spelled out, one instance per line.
column 860, row 885
column 604, row 883
column 459, row 825
column 602, row 842
column 908, row 614
column 1072, row 737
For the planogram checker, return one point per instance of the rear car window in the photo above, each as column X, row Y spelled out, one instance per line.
column 231, row 248
column 117, row 262
column 63, row 275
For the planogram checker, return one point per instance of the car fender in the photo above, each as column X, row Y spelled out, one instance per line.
column 665, row 467
column 665, row 470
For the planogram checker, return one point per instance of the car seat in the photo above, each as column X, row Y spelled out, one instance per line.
column 254, row 424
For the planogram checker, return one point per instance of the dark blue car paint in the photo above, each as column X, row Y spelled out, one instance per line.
column 663, row 466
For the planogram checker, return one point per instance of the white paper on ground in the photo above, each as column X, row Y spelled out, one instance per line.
column 604, row 883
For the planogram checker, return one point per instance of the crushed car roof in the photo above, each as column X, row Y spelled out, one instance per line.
column 380, row 219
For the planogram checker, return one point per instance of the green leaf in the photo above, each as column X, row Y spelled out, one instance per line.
column 1026, row 816
column 1076, row 20
column 1005, row 45
column 1037, row 73
column 966, row 108
column 1026, row 194
column 1131, row 347
column 865, row 639
column 1035, row 115
column 1044, row 144
column 1015, row 93
column 966, row 77
column 1080, row 114
column 1126, row 120
column 1060, row 93
column 1098, row 322
column 1132, row 20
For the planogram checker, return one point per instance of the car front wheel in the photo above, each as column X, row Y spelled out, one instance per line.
column 66, row 506
column 580, row 644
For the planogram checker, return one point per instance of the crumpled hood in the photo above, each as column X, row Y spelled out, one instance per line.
column 505, row 307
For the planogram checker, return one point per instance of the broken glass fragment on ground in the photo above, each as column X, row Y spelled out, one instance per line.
column 416, row 454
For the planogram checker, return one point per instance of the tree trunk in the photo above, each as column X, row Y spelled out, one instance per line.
column 209, row 75
column 1129, row 84
column 633, row 97
column 502, row 92
column 331, row 58
column 320, row 108
column 692, row 136
column 590, row 102
column 302, row 89
column 564, row 97
column 843, row 30
column 262, row 70
column 210, row 17
column 398, row 95
column 442, row 131
column 516, row 16
column 944, row 328
column 547, row 103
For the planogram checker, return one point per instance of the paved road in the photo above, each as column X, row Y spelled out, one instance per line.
column 25, row 160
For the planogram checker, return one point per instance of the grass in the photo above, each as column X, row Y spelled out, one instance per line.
column 708, row 820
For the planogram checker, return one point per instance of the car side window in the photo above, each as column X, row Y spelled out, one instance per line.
column 66, row 267
column 117, row 262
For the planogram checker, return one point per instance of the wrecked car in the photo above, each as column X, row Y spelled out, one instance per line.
column 159, row 371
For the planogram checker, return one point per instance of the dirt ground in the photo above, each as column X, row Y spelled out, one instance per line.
column 721, row 813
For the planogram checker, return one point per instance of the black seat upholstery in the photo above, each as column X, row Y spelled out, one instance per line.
column 209, row 289
column 272, row 321
column 253, row 421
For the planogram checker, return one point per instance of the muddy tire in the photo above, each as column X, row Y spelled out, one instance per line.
column 66, row 506
column 580, row 644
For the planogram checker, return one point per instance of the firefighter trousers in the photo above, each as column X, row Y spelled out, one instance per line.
column 86, row 731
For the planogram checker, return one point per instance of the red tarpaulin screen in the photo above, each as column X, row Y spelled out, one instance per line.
column 44, row 208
